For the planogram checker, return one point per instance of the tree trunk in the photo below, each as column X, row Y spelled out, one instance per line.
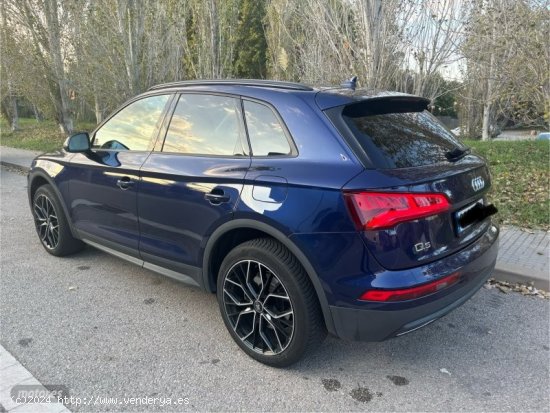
column 37, row 114
column 60, row 91
column 130, row 25
column 486, row 127
column 98, row 111
column 4, row 110
column 377, row 23
column 214, row 41
column 13, row 116
column 488, row 103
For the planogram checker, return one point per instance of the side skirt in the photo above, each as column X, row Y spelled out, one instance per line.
column 144, row 264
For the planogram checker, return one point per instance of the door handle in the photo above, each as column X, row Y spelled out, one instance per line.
column 124, row 183
column 216, row 197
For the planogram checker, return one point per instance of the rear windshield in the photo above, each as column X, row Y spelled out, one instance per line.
column 403, row 140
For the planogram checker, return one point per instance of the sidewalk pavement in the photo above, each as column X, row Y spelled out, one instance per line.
column 524, row 257
column 17, row 158
column 18, row 386
column 523, row 254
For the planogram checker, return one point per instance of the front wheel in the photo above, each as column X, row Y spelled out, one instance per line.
column 268, row 304
column 51, row 224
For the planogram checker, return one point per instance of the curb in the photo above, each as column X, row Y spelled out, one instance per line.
column 15, row 379
column 516, row 274
column 15, row 166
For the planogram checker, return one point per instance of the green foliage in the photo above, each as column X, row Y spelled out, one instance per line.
column 446, row 103
column 520, row 180
column 250, row 59
column 190, row 58
column 42, row 136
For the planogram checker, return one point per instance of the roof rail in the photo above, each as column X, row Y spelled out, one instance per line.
column 234, row 82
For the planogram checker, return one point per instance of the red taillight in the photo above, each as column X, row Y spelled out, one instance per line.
column 411, row 293
column 378, row 210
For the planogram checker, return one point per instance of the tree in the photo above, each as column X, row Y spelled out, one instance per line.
column 432, row 35
column 392, row 44
column 75, row 60
column 8, row 97
column 506, row 53
column 250, row 56
column 446, row 104
column 327, row 41
column 122, row 48
column 42, row 21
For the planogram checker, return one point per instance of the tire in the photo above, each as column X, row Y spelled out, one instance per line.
column 51, row 224
column 275, row 317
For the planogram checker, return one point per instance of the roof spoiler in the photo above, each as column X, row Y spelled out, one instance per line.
column 385, row 104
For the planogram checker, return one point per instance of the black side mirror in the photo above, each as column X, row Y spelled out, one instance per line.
column 77, row 142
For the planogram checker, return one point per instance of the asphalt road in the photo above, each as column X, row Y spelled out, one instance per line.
column 106, row 328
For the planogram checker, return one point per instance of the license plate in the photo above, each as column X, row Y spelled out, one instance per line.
column 459, row 215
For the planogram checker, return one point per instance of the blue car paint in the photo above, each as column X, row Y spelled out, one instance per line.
column 97, row 205
column 174, row 214
column 454, row 181
column 165, row 218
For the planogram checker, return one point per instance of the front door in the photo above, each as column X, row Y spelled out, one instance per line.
column 104, row 182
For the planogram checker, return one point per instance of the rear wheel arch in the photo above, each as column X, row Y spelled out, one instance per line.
column 234, row 233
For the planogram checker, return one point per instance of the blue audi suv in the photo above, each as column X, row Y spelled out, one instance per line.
column 306, row 210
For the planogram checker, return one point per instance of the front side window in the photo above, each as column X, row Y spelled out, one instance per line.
column 206, row 125
column 133, row 127
column 267, row 136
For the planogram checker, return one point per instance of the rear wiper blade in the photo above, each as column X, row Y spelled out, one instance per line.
column 456, row 154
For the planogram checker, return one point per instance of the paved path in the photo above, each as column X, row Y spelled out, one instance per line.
column 524, row 256
column 17, row 157
column 14, row 377
column 515, row 135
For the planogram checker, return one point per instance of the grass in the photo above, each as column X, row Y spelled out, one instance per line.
column 520, row 170
column 42, row 136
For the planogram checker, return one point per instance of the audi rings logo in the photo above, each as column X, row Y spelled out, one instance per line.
column 478, row 183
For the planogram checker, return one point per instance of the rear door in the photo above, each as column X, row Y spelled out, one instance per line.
column 408, row 151
column 191, row 183
column 104, row 182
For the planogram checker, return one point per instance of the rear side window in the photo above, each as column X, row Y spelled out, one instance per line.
column 133, row 127
column 267, row 136
column 403, row 140
column 206, row 125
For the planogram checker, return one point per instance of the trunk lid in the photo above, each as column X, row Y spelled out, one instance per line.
column 407, row 150
column 419, row 241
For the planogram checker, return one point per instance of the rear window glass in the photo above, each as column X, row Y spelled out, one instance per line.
column 403, row 140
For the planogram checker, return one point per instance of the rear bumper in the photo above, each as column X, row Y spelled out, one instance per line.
column 377, row 322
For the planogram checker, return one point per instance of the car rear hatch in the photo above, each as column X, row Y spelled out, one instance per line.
column 422, row 195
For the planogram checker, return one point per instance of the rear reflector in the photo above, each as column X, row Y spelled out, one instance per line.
column 411, row 293
column 379, row 210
